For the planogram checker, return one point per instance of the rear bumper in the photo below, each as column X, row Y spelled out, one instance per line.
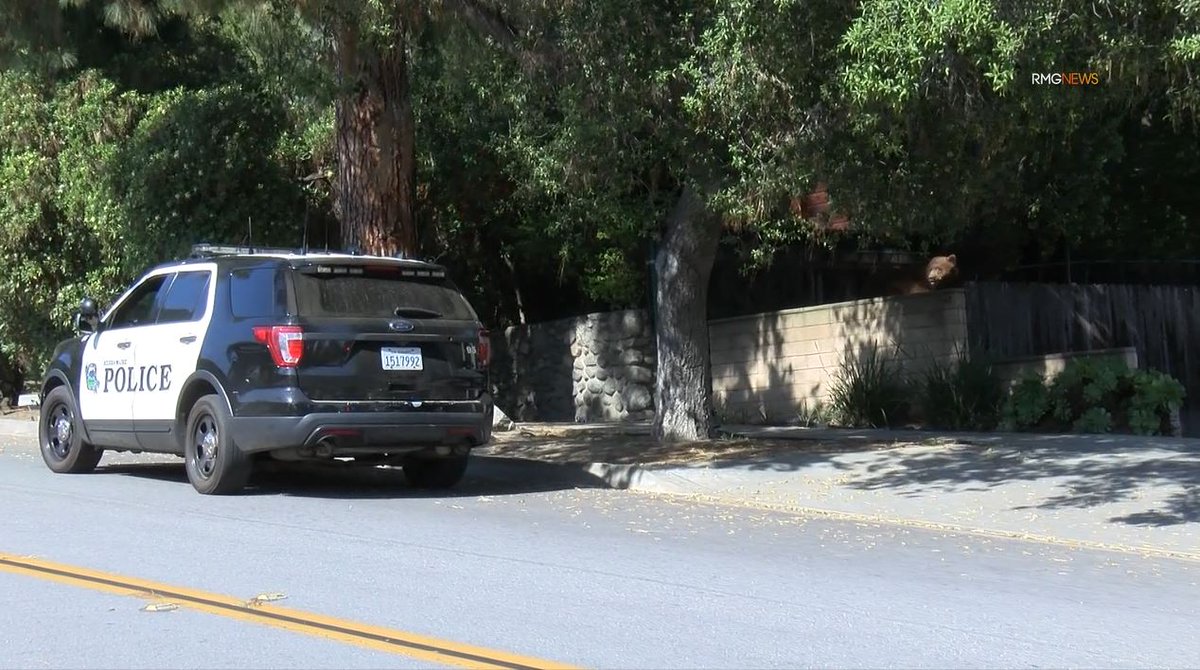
column 367, row 431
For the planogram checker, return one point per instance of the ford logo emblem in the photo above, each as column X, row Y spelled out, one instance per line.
column 401, row 326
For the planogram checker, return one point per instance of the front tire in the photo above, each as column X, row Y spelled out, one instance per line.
column 61, row 437
column 435, row 473
column 215, row 465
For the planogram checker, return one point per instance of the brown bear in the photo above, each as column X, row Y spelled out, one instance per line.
column 940, row 272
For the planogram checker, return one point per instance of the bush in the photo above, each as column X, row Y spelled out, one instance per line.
column 1027, row 405
column 1155, row 397
column 97, row 183
column 1086, row 383
column 1093, row 420
column 963, row 395
column 1095, row 396
column 818, row 414
column 870, row 390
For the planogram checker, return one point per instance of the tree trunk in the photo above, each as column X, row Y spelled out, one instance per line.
column 376, row 146
column 683, row 265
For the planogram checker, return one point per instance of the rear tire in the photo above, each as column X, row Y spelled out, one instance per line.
column 215, row 465
column 435, row 473
column 61, row 437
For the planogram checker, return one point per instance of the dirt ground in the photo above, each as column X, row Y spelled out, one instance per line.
column 623, row 446
column 19, row 413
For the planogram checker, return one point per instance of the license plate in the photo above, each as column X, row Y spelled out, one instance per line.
column 402, row 358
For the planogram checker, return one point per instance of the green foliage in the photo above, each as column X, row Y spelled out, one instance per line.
column 1093, row 420
column 965, row 394
column 198, row 166
column 1155, row 396
column 97, row 184
column 870, row 389
column 1027, row 404
column 1085, row 383
column 1095, row 396
column 938, row 100
column 818, row 414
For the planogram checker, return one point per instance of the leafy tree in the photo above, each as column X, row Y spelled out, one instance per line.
column 659, row 124
column 947, row 133
column 99, row 180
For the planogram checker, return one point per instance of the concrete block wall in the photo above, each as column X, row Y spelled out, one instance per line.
column 1049, row 365
column 769, row 366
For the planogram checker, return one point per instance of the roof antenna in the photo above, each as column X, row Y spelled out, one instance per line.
column 250, row 233
column 304, row 249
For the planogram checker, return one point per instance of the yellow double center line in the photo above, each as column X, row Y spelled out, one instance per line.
column 351, row 632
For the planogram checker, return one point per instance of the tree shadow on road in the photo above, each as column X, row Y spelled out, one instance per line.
column 486, row 476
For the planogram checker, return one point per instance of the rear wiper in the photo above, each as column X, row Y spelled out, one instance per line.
column 417, row 312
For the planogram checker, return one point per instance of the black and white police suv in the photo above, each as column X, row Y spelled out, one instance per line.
column 237, row 354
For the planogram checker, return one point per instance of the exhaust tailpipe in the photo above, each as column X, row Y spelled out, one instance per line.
column 325, row 447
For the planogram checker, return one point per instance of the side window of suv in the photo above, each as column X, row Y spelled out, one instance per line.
column 140, row 308
column 256, row 292
column 186, row 299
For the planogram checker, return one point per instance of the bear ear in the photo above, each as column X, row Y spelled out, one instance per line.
column 953, row 259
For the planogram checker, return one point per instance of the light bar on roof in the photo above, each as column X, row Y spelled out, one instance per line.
column 423, row 273
column 338, row 270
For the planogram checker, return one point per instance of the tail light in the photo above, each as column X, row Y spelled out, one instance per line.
column 286, row 343
column 484, row 351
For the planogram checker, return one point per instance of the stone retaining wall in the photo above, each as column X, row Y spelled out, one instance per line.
column 598, row 367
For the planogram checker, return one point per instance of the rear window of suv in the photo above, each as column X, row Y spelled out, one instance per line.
column 379, row 294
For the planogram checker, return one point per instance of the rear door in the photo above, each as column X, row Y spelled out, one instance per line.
column 380, row 335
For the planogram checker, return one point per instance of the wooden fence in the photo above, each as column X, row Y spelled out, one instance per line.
column 1011, row 320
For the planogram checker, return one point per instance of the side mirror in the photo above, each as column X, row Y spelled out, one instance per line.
column 87, row 319
column 82, row 325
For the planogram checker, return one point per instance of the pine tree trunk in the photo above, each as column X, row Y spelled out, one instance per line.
column 376, row 147
column 683, row 265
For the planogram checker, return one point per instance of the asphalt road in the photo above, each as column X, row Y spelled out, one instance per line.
column 587, row 577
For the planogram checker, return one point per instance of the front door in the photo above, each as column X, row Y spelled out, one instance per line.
column 170, row 355
column 109, row 356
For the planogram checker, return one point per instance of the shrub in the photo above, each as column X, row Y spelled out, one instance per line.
column 1155, row 397
column 1027, row 405
column 1085, row 383
column 816, row 415
column 964, row 394
column 1095, row 396
column 97, row 183
column 1093, row 420
column 870, row 390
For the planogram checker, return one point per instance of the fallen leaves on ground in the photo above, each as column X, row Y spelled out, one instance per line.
column 623, row 446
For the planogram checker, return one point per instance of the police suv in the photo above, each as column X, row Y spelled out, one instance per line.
column 237, row 354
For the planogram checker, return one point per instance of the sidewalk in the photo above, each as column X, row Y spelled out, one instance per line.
column 1124, row 492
